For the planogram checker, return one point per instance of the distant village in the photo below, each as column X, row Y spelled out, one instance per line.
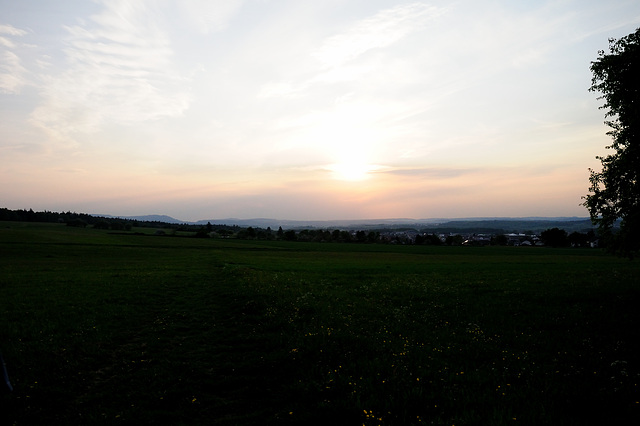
column 554, row 237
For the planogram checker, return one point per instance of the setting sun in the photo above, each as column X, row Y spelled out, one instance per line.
column 351, row 170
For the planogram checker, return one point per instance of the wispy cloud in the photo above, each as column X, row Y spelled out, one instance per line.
column 209, row 15
column 12, row 72
column 11, row 30
column 118, row 71
column 431, row 172
column 379, row 31
column 341, row 57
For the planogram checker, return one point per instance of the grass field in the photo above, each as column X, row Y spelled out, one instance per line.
column 100, row 328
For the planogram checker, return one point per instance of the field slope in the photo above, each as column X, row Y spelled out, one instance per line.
column 101, row 328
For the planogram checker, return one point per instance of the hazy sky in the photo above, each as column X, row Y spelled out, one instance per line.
column 290, row 109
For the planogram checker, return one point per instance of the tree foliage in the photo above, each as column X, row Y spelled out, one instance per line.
column 615, row 190
column 554, row 237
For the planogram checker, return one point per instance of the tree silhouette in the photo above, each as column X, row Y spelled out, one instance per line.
column 615, row 190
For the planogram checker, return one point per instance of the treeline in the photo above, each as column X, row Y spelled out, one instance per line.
column 304, row 235
column 554, row 237
column 45, row 216
column 83, row 220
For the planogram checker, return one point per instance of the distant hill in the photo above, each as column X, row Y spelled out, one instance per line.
column 493, row 225
column 147, row 218
column 512, row 225
column 439, row 225
column 478, row 225
column 302, row 224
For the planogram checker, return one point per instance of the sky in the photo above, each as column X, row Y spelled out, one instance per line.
column 307, row 110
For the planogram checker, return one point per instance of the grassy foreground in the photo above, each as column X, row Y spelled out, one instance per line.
column 99, row 328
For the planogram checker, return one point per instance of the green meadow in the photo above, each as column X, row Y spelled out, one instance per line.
column 104, row 328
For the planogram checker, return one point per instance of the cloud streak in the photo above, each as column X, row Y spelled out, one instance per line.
column 119, row 72
column 13, row 75
column 342, row 57
column 209, row 15
column 379, row 31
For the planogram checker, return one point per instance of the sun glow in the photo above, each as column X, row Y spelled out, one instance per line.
column 351, row 171
column 349, row 137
